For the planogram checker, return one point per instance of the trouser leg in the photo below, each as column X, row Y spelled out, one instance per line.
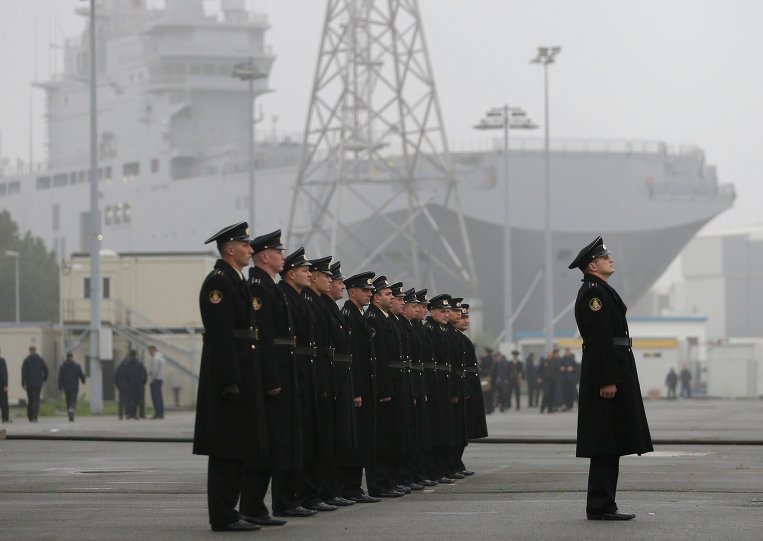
column 71, row 403
column 283, row 490
column 378, row 475
column 4, row 409
column 142, row 402
column 121, row 405
column 254, row 488
column 224, row 478
column 602, row 484
column 309, row 492
column 351, row 479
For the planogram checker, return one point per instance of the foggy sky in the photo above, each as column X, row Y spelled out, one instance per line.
column 687, row 72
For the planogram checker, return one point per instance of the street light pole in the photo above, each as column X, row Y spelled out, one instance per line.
column 96, row 379
column 247, row 71
column 507, row 115
column 15, row 255
column 545, row 57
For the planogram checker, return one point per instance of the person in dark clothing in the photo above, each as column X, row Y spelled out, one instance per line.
column 685, row 377
column 135, row 378
column 515, row 378
column 531, row 376
column 295, row 278
column 4, row 409
column 548, row 372
column 671, row 381
column 279, row 379
column 230, row 424
column 476, row 425
column 611, row 418
column 359, row 288
column 569, row 376
column 391, row 434
column 502, row 376
column 120, row 382
column 69, row 377
column 34, row 372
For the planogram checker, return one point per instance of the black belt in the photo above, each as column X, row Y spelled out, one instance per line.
column 329, row 352
column 251, row 334
column 398, row 365
column 342, row 358
column 285, row 341
column 430, row 366
column 471, row 370
column 443, row 367
column 418, row 367
column 307, row 351
column 623, row 341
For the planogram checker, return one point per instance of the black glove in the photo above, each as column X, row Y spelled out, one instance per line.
column 231, row 393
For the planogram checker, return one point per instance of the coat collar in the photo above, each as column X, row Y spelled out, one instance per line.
column 603, row 283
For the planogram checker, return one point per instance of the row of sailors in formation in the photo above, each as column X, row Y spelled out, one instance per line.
column 303, row 395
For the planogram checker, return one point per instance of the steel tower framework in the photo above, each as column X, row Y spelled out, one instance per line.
column 375, row 143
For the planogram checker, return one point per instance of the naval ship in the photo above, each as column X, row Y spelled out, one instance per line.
column 173, row 159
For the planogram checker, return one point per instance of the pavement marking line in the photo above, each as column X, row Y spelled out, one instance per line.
column 461, row 512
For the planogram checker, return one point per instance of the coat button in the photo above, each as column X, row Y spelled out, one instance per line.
column 253, row 346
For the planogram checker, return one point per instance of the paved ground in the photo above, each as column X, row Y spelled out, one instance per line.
column 103, row 490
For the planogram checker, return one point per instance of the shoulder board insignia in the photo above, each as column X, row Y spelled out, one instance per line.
column 218, row 272
column 257, row 281
column 595, row 304
column 215, row 296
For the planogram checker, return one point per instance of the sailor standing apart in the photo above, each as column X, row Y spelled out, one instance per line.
column 611, row 418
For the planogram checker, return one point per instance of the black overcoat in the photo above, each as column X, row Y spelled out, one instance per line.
column 34, row 372
column 3, row 374
column 391, row 434
column 324, row 379
column 69, row 376
column 276, row 339
column 345, row 432
column 363, row 381
column 229, row 427
column 440, row 411
column 304, row 331
column 616, row 426
column 476, row 424
column 456, row 362
column 421, row 437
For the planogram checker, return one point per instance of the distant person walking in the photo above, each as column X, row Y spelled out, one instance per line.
column 516, row 376
column 34, row 372
column 69, row 377
column 4, row 410
column 120, row 382
column 671, row 381
column 502, row 374
column 547, row 372
column 157, row 378
column 685, row 382
column 135, row 382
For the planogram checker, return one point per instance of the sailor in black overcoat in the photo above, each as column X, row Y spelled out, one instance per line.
column 441, row 415
column 611, row 418
column 359, row 290
column 230, row 421
column 456, row 361
column 476, row 425
column 276, row 344
column 391, row 434
column 345, row 429
column 295, row 278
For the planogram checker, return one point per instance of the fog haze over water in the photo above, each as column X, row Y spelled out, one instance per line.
column 687, row 72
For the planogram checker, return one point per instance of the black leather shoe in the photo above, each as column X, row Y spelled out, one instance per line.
column 416, row 486
column 322, row 506
column 456, row 476
column 389, row 494
column 266, row 520
column 428, row 483
column 445, row 480
column 365, row 498
column 238, row 526
column 338, row 501
column 298, row 511
column 467, row 473
column 402, row 488
column 610, row 516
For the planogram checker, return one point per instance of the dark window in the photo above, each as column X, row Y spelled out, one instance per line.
column 14, row 187
column 155, row 165
column 43, row 183
column 72, row 178
column 105, row 292
column 60, row 180
column 130, row 171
